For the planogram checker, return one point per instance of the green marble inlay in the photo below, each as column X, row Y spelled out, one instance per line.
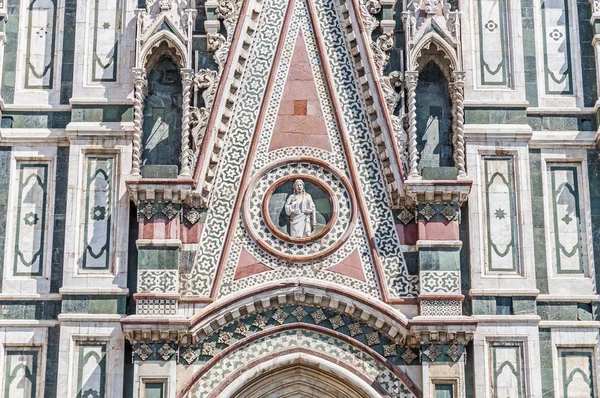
column 98, row 213
column 35, row 120
column 80, row 304
column 567, row 219
column 68, row 51
column 557, row 46
column 39, row 73
column 21, row 373
column 104, row 66
column 102, row 113
column 52, row 366
column 546, row 362
column 5, row 155
column 30, row 231
column 523, row 305
column 10, row 52
column 588, row 62
column 91, row 370
column 500, row 205
column 593, row 164
column 577, row 373
column 529, row 52
column 443, row 259
column 539, row 224
column 500, row 115
column 507, row 370
column 558, row 311
column 492, row 42
column 158, row 258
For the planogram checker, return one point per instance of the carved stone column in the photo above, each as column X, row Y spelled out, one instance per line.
column 187, row 76
column 140, row 84
column 411, row 81
column 458, row 122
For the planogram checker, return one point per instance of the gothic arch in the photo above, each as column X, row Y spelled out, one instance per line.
column 297, row 370
column 444, row 54
column 163, row 42
column 361, row 361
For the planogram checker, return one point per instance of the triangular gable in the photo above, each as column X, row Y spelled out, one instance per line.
column 352, row 169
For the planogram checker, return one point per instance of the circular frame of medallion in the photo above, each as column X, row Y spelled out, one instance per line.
column 307, row 241
column 315, row 181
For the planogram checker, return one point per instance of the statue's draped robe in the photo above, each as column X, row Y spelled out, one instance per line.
column 301, row 223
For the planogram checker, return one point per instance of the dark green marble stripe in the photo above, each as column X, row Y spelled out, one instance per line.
column 60, row 211
column 564, row 122
column 52, row 351
column 493, row 115
column 594, row 183
column 465, row 265
column 546, row 363
column 68, row 65
column 102, row 113
column 82, row 304
column 539, row 231
column 4, row 184
column 35, row 120
column 40, row 310
column 588, row 62
column 531, row 89
column 132, row 259
column 9, row 66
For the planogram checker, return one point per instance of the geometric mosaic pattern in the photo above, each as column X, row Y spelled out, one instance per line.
column 200, row 280
column 557, row 46
column 312, row 341
column 440, row 281
column 157, row 280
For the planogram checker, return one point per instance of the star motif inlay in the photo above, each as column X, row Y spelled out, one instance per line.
column 500, row 214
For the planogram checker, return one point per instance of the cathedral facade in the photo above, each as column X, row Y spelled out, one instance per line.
column 299, row 198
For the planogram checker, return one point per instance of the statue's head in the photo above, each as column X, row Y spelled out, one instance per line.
column 298, row 186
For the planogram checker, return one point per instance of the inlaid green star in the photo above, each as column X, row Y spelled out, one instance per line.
column 500, row 214
column 106, row 25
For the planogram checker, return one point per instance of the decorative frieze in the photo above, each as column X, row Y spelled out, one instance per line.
column 155, row 307
column 97, row 228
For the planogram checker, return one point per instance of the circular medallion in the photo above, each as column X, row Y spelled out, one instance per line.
column 299, row 209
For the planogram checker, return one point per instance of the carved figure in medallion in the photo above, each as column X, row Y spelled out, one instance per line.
column 300, row 208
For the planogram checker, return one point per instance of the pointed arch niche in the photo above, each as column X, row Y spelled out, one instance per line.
column 435, row 89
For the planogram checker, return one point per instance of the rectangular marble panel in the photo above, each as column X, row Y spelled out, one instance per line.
column 21, row 373
column 105, row 40
column 493, row 44
column 500, row 213
column 557, row 46
column 31, row 219
column 577, row 373
column 41, row 38
column 98, row 213
column 566, row 228
column 507, row 370
column 91, row 370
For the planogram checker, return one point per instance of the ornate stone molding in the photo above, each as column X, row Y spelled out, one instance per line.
column 140, row 84
column 458, row 119
column 186, row 81
column 411, row 79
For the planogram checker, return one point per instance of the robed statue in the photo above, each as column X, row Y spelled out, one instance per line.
column 300, row 208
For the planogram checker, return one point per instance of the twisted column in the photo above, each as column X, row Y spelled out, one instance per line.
column 411, row 81
column 140, row 84
column 186, row 79
column 458, row 114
